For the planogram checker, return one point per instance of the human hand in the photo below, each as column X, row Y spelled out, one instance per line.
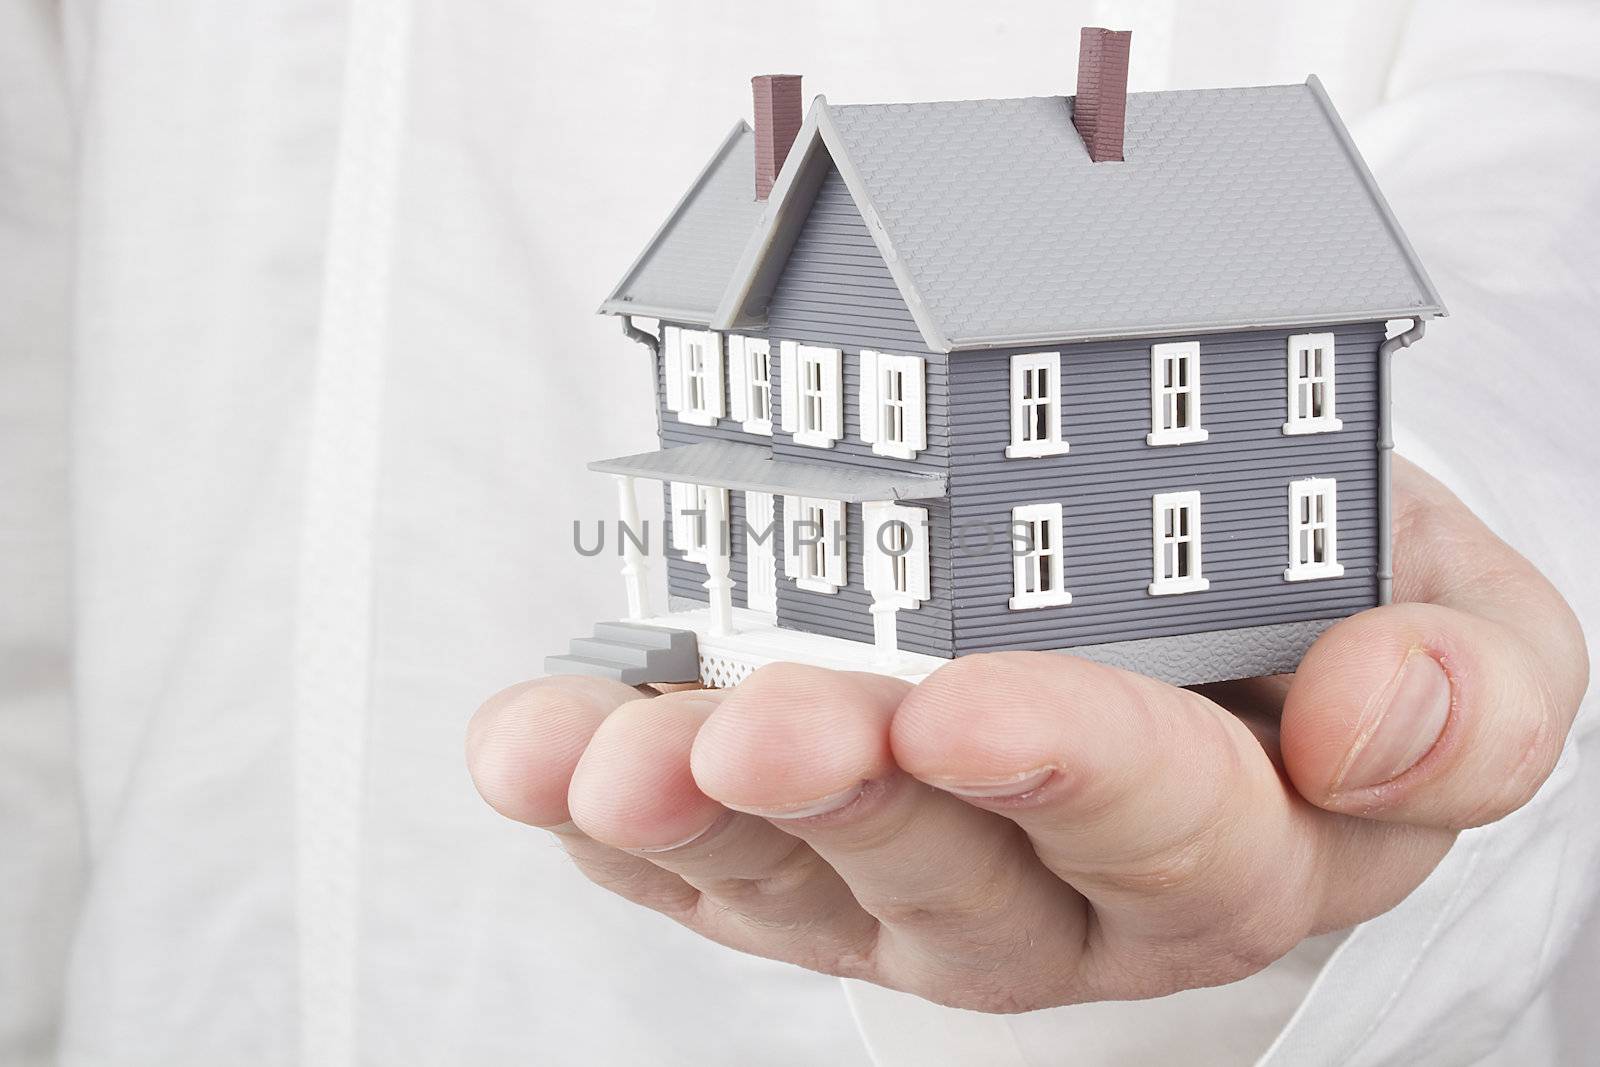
column 1023, row 830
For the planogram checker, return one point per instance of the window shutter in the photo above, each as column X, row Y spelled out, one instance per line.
column 917, row 559
column 832, row 396
column 683, row 497
column 672, row 366
column 1018, row 369
column 1058, row 402
column 738, row 379
column 791, row 552
column 834, row 539
column 869, row 396
column 874, row 560
column 717, row 395
column 789, row 385
column 916, row 404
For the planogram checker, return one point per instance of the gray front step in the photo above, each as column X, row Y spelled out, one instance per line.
column 610, row 651
column 632, row 653
column 597, row 668
column 637, row 633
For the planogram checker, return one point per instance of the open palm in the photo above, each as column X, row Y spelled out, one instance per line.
column 1024, row 830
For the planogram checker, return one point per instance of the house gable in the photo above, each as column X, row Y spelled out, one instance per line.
column 835, row 287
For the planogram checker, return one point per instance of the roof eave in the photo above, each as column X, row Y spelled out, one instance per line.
column 651, row 311
column 1125, row 333
column 1342, row 134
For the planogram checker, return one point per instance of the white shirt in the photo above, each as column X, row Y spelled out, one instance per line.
column 297, row 297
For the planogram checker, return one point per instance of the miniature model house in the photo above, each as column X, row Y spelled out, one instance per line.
column 1104, row 373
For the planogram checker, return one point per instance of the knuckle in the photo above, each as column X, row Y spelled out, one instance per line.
column 755, row 894
column 968, row 901
column 1168, row 871
column 1254, row 945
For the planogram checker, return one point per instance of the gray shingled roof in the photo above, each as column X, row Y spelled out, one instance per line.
column 1234, row 208
column 751, row 468
column 684, row 269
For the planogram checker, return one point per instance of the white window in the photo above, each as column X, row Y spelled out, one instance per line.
column 1037, row 580
column 1311, row 408
column 1176, row 537
column 813, row 543
column 1175, row 394
column 1313, row 530
column 896, row 553
column 691, row 506
column 750, row 383
column 812, row 404
column 893, row 404
column 693, row 372
column 1036, row 405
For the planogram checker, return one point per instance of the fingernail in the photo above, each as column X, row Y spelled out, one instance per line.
column 715, row 824
column 810, row 808
column 998, row 788
column 1412, row 716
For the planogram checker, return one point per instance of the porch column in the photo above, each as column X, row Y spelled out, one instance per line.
column 635, row 569
column 880, row 583
column 718, row 585
column 885, row 633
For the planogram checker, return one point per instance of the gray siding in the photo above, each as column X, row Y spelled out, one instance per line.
column 1106, row 480
column 847, row 613
column 684, row 578
column 836, row 291
column 675, row 432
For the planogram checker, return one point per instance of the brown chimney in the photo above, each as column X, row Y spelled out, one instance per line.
column 778, row 118
column 1101, row 107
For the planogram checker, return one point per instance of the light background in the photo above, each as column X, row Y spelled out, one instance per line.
column 176, row 304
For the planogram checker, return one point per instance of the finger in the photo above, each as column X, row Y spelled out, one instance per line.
column 522, row 747
column 1153, row 802
column 1449, row 712
column 808, row 750
column 524, row 742
column 764, row 891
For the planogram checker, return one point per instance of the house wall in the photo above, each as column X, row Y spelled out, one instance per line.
column 836, row 291
column 1106, row 480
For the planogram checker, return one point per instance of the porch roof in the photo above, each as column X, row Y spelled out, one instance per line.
column 752, row 468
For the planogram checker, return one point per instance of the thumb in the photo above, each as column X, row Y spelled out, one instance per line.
column 1449, row 713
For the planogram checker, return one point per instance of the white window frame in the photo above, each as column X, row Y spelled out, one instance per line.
column 1184, row 357
column 1308, row 496
column 1303, row 349
column 821, row 567
column 694, row 375
column 896, row 553
column 893, row 404
column 750, row 383
column 1026, row 368
column 689, row 530
column 813, row 409
column 1027, row 592
column 1177, row 504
